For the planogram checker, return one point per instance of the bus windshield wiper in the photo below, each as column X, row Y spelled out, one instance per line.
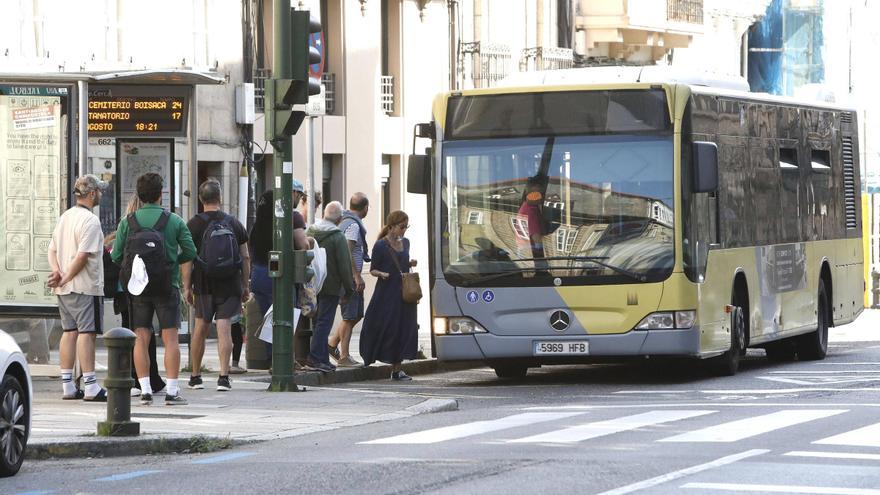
column 592, row 259
column 589, row 259
column 496, row 276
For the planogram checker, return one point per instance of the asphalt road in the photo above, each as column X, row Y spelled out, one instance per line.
column 800, row 427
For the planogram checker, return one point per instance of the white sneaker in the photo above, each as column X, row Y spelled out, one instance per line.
column 135, row 392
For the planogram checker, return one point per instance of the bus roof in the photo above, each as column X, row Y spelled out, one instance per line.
column 625, row 75
column 699, row 82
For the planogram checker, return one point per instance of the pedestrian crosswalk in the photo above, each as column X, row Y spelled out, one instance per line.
column 596, row 429
column 568, row 427
column 754, row 426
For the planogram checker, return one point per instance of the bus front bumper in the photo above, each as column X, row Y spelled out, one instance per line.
column 633, row 343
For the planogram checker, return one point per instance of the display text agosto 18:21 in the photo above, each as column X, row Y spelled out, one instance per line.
column 136, row 114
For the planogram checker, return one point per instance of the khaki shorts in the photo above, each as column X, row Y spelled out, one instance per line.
column 81, row 313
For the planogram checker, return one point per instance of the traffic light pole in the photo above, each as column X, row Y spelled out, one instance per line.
column 282, row 240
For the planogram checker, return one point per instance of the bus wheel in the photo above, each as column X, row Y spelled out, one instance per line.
column 511, row 371
column 727, row 364
column 814, row 345
column 784, row 350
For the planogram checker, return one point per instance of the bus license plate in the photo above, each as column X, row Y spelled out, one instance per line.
column 561, row 348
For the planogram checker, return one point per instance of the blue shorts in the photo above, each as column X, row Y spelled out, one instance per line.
column 353, row 310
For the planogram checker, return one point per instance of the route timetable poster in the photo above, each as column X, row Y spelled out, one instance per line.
column 30, row 172
column 139, row 157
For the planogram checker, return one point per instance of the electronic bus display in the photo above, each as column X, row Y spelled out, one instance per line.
column 137, row 115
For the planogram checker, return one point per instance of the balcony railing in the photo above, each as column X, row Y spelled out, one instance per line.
column 387, row 94
column 546, row 58
column 484, row 64
column 328, row 80
column 260, row 77
column 689, row 11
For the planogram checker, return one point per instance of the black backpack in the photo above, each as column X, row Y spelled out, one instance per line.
column 219, row 255
column 150, row 245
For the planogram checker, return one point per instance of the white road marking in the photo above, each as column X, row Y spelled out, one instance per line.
column 662, row 405
column 844, row 363
column 834, row 455
column 623, row 392
column 822, row 372
column 868, row 436
column 750, row 427
column 819, row 490
column 674, row 475
column 469, row 429
column 601, row 428
column 791, row 390
column 808, row 380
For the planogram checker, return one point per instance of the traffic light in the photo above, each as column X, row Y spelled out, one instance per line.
column 302, row 269
column 283, row 120
column 304, row 55
column 293, row 83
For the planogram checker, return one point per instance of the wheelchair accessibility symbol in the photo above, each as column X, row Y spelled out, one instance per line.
column 488, row 296
column 472, row 297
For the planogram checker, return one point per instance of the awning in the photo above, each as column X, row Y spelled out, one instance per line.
column 158, row 76
column 143, row 76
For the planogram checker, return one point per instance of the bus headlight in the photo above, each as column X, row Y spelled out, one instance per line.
column 668, row 320
column 456, row 326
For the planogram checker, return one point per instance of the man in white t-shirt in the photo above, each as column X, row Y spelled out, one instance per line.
column 76, row 258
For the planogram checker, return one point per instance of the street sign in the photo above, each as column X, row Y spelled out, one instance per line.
column 317, row 41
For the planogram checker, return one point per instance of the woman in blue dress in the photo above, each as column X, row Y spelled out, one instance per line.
column 389, row 333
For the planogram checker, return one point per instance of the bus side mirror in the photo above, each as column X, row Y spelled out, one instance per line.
column 418, row 174
column 705, row 162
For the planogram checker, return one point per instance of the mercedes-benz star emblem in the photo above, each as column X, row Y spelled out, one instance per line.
column 559, row 320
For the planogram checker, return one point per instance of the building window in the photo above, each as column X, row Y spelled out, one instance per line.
column 475, row 218
column 521, row 227
column 565, row 239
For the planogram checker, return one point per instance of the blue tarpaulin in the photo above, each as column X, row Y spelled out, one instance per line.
column 785, row 47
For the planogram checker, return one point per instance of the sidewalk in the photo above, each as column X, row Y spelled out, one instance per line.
column 212, row 420
column 217, row 420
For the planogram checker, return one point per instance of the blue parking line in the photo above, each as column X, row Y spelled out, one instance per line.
column 127, row 476
column 37, row 492
column 224, row 458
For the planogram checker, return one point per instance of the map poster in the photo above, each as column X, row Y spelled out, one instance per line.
column 139, row 157
column 31, row 151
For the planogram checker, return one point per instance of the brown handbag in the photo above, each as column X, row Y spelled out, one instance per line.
column 410, row 284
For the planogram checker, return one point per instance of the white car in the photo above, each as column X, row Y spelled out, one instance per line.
column 16, row 397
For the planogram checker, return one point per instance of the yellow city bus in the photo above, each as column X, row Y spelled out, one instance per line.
column 573, row 220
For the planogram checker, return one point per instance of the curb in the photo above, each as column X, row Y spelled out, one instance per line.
column 127, row 446
column 374, row 372
column 99, row 447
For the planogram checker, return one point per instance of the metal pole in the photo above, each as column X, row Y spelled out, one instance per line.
column 282, row 287
column 192, row 201
column 312, row 188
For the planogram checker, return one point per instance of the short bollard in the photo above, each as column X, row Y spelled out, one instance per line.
column 119, row 343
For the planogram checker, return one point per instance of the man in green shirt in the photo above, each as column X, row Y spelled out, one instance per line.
column 179, row 251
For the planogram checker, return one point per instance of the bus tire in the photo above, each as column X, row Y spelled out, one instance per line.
column 727, row 364
column 511, row 371
column 782, row 351
column 814, row 345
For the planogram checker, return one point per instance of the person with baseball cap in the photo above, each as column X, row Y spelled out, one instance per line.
column 77, row 279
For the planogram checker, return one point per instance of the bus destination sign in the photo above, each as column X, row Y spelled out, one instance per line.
column 137, row 115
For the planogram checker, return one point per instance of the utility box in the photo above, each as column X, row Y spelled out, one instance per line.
column 245, row 112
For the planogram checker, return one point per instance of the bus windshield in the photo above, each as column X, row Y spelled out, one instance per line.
column 587, row 209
